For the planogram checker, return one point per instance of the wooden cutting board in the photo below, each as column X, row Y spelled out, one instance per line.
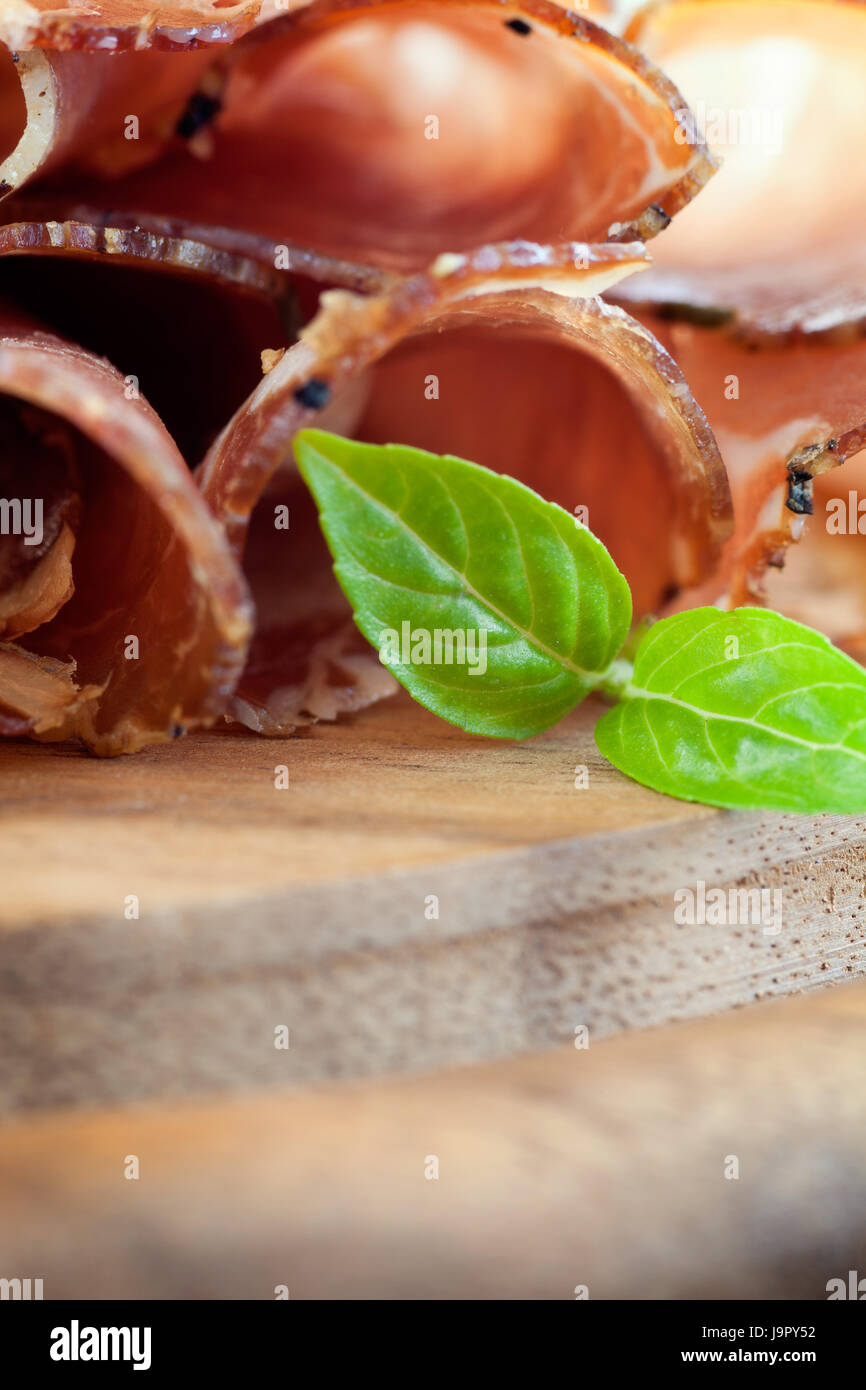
column 313, row 908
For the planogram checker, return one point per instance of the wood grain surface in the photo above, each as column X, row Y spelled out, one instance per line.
column 310, row 907
column 602, row 1167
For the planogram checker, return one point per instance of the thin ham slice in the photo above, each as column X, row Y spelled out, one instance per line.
column 130, row 621
column 384, row 133
column 96, row 234
column 491, row 356
column 162, row 302
column 775, row 244
column 758, row 288
column 39, row 223
column 782, row 416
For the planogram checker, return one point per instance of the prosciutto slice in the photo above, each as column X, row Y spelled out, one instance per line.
column 783, row 416
column 758, row 288
column 123, row 616
column 491, row 356
column 38, row 224
column 160, row 303
column 775, row 245
column 385, row 133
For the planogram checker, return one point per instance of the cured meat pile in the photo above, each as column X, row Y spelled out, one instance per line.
column 464, row 226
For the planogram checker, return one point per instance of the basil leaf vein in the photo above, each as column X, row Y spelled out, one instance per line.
column 744, row 709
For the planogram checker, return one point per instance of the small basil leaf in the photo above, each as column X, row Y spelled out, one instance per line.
column 528, row 605
column 742, row 709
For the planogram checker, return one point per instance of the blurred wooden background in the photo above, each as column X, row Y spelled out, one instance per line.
column 416, row 1037
column 602, row 1167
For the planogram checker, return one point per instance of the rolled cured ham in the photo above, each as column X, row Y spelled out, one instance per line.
column 124, row 618
column 758, row 288
column 774, row 247
column 387, row 131
column 490, row 356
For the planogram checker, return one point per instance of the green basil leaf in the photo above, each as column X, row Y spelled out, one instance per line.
column 742, row 709
column 515, row 586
